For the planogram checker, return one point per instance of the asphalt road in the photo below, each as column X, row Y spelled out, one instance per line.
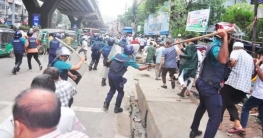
column 87, row 103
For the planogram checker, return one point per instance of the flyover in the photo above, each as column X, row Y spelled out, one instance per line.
column 78, row 11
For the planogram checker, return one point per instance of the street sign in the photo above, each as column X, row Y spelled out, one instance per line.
column 36, row 19
column 259, row 1
column 260, row 12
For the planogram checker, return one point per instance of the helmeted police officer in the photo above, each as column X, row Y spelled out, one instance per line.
column 32, row 49
column 19, row 45
column 62, row 54
column 118, row 67
column 95, row 55
column 212, row 74
column 105, row 53
column 53, row 46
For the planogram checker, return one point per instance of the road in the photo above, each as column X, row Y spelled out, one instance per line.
column 87, row 103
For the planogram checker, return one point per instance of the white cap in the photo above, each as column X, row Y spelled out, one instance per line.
column 179, row 35
column 238, row 44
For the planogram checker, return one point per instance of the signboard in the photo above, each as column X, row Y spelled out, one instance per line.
column 36, row 20
column 158, row 24
column 259, row 1
column 260, row 12
column 197, row 21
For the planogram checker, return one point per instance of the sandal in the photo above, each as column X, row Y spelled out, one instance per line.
column 236, row 130
column 164, row 86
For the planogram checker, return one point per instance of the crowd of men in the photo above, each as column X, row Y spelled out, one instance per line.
column 221, row 74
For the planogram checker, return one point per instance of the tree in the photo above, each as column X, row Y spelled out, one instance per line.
column 242, row 15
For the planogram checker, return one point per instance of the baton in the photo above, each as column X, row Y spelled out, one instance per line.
column 203, row 36
column 68, row 47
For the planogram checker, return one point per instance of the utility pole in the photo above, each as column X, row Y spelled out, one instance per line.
column 5, row 12
column 134, row 11
column 254, row 37
column 13, row 12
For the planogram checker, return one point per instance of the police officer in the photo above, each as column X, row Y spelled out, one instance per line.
column 19, row 45
column 32, row 49
column 209, row 82
column 95, row 55
column 118, row 67
column 105, row 52
column 62, row 54
column 53, row 46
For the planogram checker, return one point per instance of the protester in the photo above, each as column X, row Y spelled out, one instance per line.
column 150, row 54
column 158, row 54
column 168, row 63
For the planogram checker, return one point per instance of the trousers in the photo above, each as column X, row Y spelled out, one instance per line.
column 18, row 58
column 29, row 57
column 211, row 101
column 95, row 58
column 51, row 57
column 171, row 73
column 116, row 82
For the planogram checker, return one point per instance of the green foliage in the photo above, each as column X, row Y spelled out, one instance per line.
column 24, row 27
column 3, row 26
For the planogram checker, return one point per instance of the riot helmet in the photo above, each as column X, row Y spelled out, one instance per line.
column 63, row 51
column 30, row 32
column 17, row 34
column 58, row 35
column 128, row 50
column 111, row 41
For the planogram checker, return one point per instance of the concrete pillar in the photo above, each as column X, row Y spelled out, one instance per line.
column 74, row 21
column 46, row 11
column 85, row 24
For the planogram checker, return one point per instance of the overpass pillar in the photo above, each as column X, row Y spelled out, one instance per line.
column 75, row 21
column 46, row 11
column 84, row 24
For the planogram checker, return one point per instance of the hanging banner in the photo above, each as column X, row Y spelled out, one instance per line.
column 260, row 12
column 36, row 20
column 146, row 32
column 197, row 21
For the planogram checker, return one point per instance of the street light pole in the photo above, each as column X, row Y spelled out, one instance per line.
column 13, row 12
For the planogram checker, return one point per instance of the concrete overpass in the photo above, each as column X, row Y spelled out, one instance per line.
column 78, row 11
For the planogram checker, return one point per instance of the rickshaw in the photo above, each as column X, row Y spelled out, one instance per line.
column 6, row 37
column 73, row 35
column 43, row 37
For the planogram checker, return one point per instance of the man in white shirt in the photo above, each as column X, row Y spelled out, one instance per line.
column 84, row 48
column 256, row 99
column 158, row 54
column 238, row 83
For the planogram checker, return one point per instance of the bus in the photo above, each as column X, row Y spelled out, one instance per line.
column 90, row 31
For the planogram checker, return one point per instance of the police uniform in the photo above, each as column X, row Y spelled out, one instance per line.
column 54, row 45
column 208, row 84
column 32, row 45
column 117, row 69
column 95, row 55
column 19, row 49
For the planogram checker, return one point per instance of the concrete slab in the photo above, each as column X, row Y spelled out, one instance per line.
column 163, row 114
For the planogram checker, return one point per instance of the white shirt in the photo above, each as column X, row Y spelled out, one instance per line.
column 258, row 87
column 85, row 37
column 142, row 41
column 58, row 134
column 240, row 76
column 67, row 123
column 136, row 47
column 85, row 45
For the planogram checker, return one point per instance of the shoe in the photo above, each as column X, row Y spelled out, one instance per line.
column 106, row 105
column 182, row 92
column 40, row 67
column 94, row 68
column 103, row 82
column 90, row 68
column 17, row 70
column 14, row 71
column 193, row 134
column 173, row 84
column 164, row 86
column 118, row 110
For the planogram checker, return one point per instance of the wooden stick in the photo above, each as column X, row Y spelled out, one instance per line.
column 68, row 47
column 203, row 36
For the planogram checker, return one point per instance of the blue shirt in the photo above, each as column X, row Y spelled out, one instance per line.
column 62, row 65
column 169, row 55
column 131, row 62
column 215, row 52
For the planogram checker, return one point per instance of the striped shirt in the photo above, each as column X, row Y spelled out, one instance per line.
column 58, row 134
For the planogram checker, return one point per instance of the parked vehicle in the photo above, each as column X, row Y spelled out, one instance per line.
column 6, row 37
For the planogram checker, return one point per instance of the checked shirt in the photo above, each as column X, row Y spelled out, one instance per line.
column 65, row 91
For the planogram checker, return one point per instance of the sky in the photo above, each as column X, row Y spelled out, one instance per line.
column 110, row 9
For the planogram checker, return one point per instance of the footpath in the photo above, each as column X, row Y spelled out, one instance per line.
column 163, row 113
